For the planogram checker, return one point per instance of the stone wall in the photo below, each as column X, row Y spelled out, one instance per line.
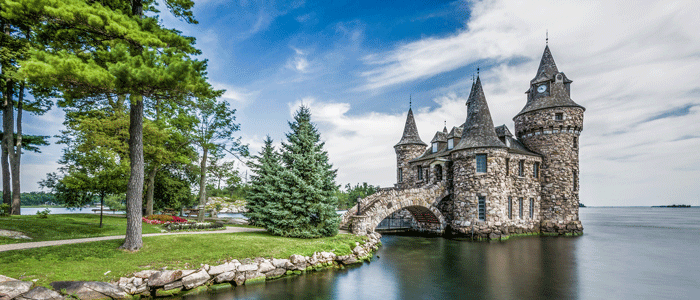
column 554, row 139
column 148, row 283
column 405, row 153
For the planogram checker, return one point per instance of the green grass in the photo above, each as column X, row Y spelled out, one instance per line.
column 67, row 226
column 89, row 261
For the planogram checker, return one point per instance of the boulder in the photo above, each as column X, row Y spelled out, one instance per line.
column 161, row 278
column 247, row 267
column 195, row 279
column 40, row 293
column 359, row 251
column 347, row 259
column 265, row 266
column 276, row 272
column 279, row 263
column 216, row 270
column 173, row 285
column 5, row 278
column 297, row 259
column 225, row 277
column 88, row 290
column 137, row 281
column 239, row 279
column 13, row 288
column 144, row 274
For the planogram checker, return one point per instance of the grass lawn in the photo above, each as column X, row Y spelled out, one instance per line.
column 90, row 261
column 67, row 226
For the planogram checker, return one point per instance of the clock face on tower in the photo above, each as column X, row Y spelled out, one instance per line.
column 541, row 88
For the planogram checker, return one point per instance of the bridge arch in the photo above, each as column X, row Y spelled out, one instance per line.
column 421, row 202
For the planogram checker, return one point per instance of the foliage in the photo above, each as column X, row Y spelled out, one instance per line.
column 173, row 187
column 348, row 198
column 66, row 226
column 90, row 261
column 300, row 201
column 193, row 226
column 264, row 186
column 43, row 214
column 163, row 219
column 37, row 198
column 4, row 209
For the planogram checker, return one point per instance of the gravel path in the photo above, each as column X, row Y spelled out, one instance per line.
column 20, row 246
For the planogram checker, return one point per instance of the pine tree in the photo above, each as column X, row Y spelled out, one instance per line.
column 264, row 186
column 307, row 206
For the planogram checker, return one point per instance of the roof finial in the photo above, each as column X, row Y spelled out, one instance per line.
column 546, row 40
column 445, row 123
column 477, row 72
column 410, row 101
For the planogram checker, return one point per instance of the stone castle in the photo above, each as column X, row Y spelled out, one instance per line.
column 483, row 182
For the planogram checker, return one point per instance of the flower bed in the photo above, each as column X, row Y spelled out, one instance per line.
column 163, row 219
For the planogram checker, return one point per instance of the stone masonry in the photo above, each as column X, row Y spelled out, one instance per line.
column 481, row 181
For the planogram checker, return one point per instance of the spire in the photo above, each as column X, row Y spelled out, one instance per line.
column 547, row 66
column 410, row 132
column 444, row 129
column 478, row 130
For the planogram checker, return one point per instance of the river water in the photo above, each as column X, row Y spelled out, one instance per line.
column 625, row 253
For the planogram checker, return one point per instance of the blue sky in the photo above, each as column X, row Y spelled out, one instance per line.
column 635, row 66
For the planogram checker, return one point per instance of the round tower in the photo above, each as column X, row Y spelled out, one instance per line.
column 409, row 147
column 550, row 124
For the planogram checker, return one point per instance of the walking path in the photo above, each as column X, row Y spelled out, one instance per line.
column 20, row 246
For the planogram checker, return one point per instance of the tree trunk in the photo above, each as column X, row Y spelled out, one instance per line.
column 102, row 206
column 8, row 129
column 149, row 190
column 134, row 189
column 16, row 156
column 202, row 185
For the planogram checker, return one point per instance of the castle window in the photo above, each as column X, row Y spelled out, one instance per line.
column 400, row 175
column 507, row 166
column 435, row 147
column 438, row 173
column 450, row 144
column 575, row 181
column 481, row 163
column 520, row 205
column 559, row 116
column 575, row 142
column 532, row 208
column 510, row 207
column 536, row 170
column 521, row 168
column 482, row 208
column 420, row 172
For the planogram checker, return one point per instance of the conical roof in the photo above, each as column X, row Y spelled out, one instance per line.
column 478, row 130
column 410, row 132
column 547, row 68
column 557, row 95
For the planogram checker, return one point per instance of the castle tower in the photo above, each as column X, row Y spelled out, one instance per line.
column 550, row 124
column 478, row 169
column 409, row 147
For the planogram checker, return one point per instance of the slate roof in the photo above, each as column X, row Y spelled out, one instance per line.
column 502, row 131
column 478, row 130
column 410, row 132
column 456, row 132
column 440, row 136
column 557, row 97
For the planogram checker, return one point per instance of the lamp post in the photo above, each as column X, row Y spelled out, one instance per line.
column 358, row 205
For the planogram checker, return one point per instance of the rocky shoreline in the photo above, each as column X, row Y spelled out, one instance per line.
column 156, row 283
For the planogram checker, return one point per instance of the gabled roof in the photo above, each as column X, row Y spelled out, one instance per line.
column 410, row 132
column 478, row 130
column 440, row 136
column 502, row 131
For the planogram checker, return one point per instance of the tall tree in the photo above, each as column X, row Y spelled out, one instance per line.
column 264, row 193
column 15, row 44
column 308, row 185
column 213, row 134
column 111, row 48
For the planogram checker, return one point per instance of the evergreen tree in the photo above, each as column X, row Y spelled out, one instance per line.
column 307, row 209
column 264, row 185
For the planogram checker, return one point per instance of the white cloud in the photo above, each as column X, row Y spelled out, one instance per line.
column 239, row 97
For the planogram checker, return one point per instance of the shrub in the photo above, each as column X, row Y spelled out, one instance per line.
column 163, row 218
column 187, row 226
column 4, row 209
column 44, row 214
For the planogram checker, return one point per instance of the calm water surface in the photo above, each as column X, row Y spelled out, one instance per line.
column 625, row 253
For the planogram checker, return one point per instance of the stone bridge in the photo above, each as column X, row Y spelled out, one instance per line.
column 421, row 202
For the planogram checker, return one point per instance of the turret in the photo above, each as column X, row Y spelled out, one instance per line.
column 550, row 124
column 409, row 147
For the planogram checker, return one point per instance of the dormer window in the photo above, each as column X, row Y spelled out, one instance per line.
column 435, row 147
column 450, row 144
column 559, row 116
